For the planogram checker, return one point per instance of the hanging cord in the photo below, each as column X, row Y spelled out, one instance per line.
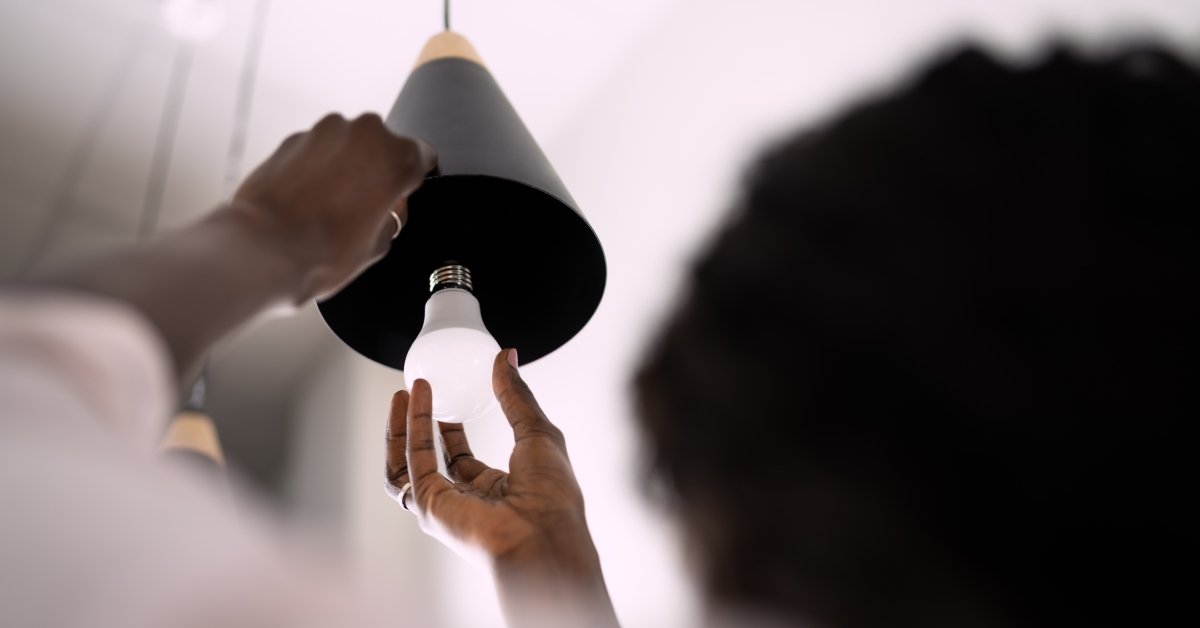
column 446, row 13
column 233, row 158
column 195, row 401
column 164, row 144
column 245, row 100
column 192, row 437
column 60, row 208
column 237, row 146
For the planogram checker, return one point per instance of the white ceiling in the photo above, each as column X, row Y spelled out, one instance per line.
column 318, row 56
column 57, row 58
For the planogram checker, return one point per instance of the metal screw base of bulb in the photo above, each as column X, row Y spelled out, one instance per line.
column 451, row 276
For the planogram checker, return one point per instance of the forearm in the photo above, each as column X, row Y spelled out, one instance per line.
column 555, row 583
column 197, row 284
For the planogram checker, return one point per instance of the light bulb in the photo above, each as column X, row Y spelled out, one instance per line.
column 194, row 20
column 454, row 351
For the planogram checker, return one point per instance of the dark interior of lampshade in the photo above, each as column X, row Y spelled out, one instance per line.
column 537, row 267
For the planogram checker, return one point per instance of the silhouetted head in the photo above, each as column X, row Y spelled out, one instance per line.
column 935, row 368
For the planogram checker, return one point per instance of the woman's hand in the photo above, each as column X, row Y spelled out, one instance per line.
column 528, row 522
column 303, row 224
column 326, row 195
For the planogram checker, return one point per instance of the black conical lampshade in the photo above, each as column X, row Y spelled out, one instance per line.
column 494, row 205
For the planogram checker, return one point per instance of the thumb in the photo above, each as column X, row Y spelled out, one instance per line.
column 516, row 400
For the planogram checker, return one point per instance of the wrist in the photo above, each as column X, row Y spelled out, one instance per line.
column 566, row 548
column 554, row 580
column 288, row 270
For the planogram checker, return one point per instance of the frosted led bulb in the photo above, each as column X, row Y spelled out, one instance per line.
column 454, row 351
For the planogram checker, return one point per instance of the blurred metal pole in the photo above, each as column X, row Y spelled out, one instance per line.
column 164, row 145
column 245, row 100
column 192, row 433
column 82, row 152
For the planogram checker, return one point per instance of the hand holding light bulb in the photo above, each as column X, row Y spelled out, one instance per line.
column 528, row 522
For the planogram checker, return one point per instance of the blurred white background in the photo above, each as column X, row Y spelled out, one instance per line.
column 649, row 109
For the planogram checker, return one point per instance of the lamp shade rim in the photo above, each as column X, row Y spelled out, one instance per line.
column 537, row 264
column 569, row 202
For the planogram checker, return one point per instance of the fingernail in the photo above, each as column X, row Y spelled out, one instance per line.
column 512, row 358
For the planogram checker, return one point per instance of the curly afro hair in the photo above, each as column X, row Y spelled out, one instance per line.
column 941, row 356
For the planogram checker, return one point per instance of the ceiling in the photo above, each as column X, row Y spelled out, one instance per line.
column 73, row 68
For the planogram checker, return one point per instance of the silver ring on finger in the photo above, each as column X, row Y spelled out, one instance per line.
column 399, row 225
column 404, row 491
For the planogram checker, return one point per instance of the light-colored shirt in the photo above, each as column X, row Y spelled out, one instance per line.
column 95, row 529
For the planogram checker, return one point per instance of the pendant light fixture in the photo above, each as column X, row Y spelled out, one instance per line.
column 494, row 206
column 192, row 436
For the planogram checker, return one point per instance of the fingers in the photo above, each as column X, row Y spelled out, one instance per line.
column 414, row 157
column 420, row 448
column 395, row 458
column 393, row 222
column 332, row 189
column 331, row 122
column 517, row 402
column 291, row 142
column 426, row 155
column 460, row 462
column 326, row 134
column 401, row 210
column 410, row 160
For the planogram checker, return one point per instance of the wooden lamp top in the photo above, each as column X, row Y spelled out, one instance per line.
column 447, row 44
column 195, row 432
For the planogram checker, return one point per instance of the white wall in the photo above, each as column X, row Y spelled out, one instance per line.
column 334, row 487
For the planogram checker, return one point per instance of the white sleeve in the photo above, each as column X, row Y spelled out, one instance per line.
column 70, row 358
column 96, row 533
